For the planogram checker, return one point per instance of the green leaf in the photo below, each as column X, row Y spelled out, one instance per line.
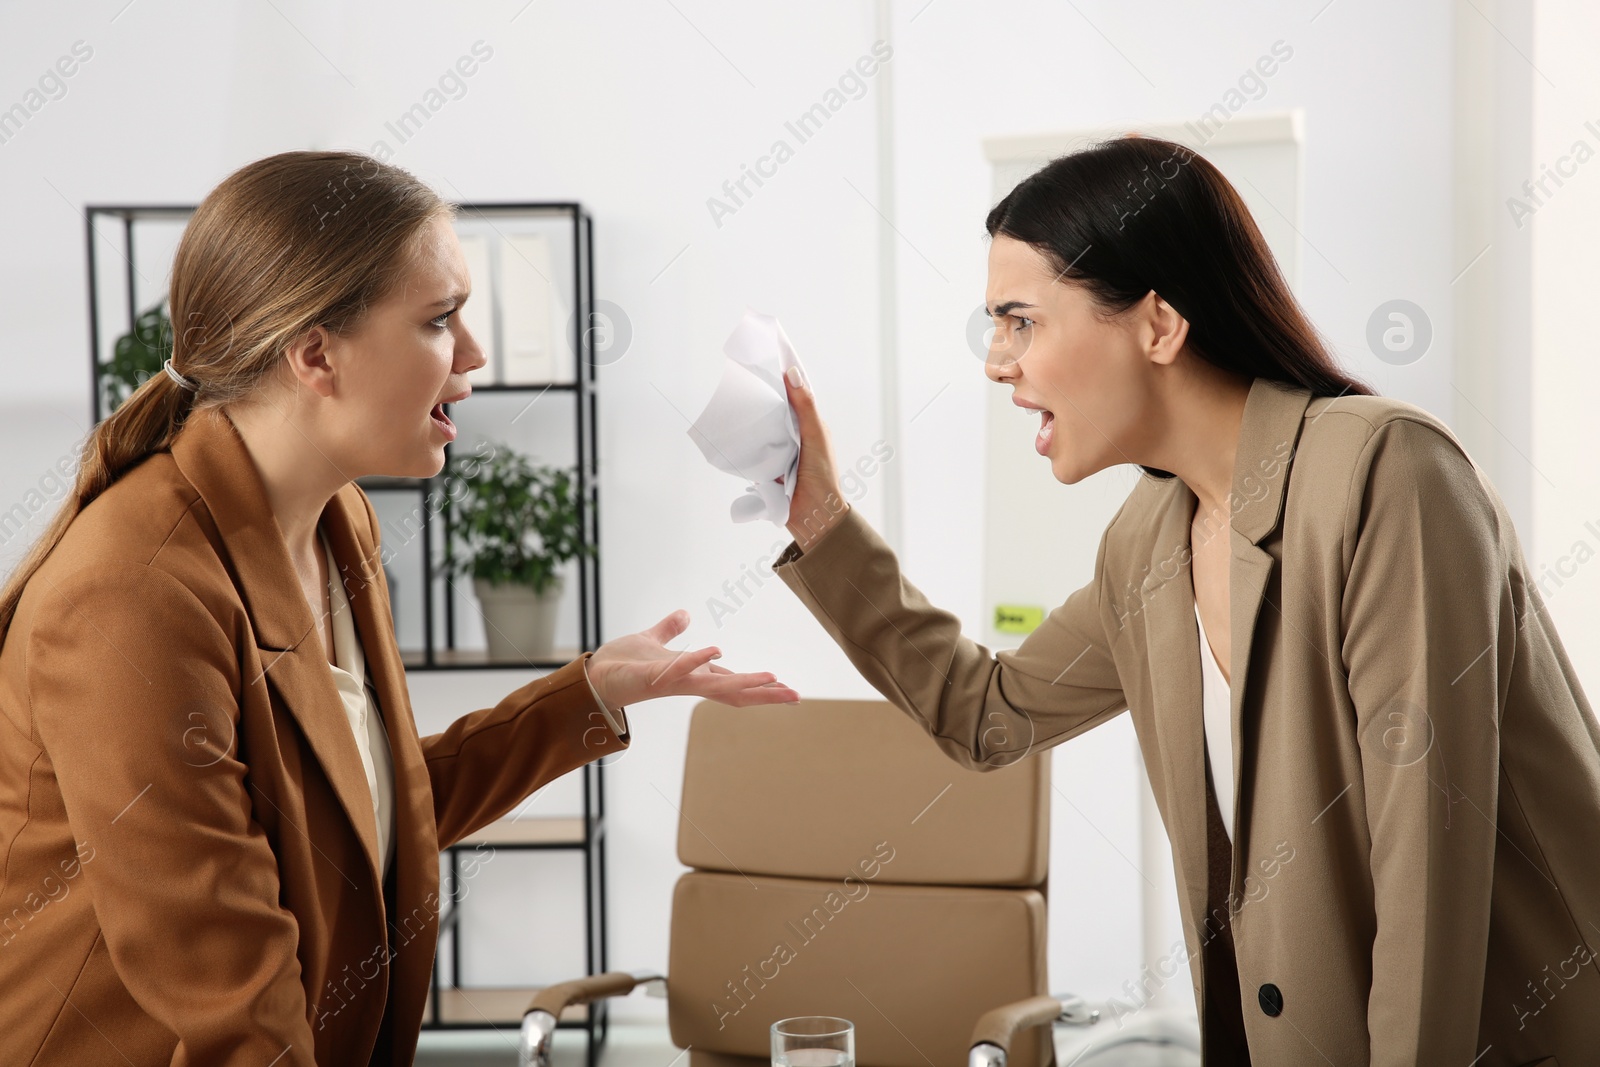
column 135, row 356
column 512, row 521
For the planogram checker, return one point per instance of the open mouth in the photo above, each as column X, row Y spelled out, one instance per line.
column 442, row 421
column 1047, row 432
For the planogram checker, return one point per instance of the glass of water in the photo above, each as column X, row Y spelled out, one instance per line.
column 813, row 1041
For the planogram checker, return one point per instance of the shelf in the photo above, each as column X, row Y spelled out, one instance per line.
column 518, row 387
column 382, row 483
column 478, row 659
column 495, row 1006
column 541, row 834
column 537, row 833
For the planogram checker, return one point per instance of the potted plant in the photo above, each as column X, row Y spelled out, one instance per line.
column 514, row 524
column 136, row 355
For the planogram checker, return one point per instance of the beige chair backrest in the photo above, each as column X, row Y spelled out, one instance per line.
column 843, row 865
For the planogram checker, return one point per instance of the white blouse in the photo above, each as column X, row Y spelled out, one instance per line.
column 361, row 709
column 1216, row 700
column 366, row 722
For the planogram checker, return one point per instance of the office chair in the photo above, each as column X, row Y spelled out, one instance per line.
column 842, row 865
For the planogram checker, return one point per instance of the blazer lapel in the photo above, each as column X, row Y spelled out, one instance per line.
column 212, row 456
column 1268, row 435
column 1273, row 417
column 1174, row 644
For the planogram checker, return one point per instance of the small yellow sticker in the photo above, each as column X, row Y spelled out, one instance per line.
column 1015, row 619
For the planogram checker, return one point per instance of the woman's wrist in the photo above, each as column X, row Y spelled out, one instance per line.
column 595, row 677
column 815, row 526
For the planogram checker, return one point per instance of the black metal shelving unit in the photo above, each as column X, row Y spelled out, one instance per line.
column 451, row 1005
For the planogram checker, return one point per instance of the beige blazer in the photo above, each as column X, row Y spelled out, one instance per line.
column 187, row 836
column 1416, row 868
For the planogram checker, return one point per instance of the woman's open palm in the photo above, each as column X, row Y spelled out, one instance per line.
column 640, row 666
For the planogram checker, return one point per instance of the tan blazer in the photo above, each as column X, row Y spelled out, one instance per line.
column 187, row 837
column 1416, row 866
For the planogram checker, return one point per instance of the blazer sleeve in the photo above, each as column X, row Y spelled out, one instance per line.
column 489, row 761
column 124, row 666
column 983, row 710
column 1429, row 627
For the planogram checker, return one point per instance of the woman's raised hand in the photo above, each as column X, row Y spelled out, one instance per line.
column 640, row 666
column 818, row 501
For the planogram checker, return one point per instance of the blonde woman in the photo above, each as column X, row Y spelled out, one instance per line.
column 220, row 829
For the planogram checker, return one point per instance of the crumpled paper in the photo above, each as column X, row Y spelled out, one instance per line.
column 748, row 428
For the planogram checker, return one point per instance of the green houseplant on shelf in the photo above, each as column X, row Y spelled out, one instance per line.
column 514, row 524
column 136, row 355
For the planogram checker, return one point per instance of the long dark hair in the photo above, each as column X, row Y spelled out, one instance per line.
column 1135, row 214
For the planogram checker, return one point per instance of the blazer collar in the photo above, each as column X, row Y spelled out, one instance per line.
column 1268, row 435
column 210, row 453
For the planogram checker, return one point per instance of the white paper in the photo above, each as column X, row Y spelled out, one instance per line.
column 748, row 428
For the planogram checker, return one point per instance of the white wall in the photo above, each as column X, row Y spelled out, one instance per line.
column 1559, row 237
column 642, row 110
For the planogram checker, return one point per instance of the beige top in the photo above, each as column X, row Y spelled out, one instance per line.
column 1217, row 709
column 361, row 709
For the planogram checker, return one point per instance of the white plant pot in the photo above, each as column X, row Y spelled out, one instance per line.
column 519, row 623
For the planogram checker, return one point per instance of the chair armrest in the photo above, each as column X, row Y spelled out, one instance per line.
column 539, row 1021
column 556, row 998
column 991, row 1038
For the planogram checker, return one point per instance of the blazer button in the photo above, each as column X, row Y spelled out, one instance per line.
column 1271, row 998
